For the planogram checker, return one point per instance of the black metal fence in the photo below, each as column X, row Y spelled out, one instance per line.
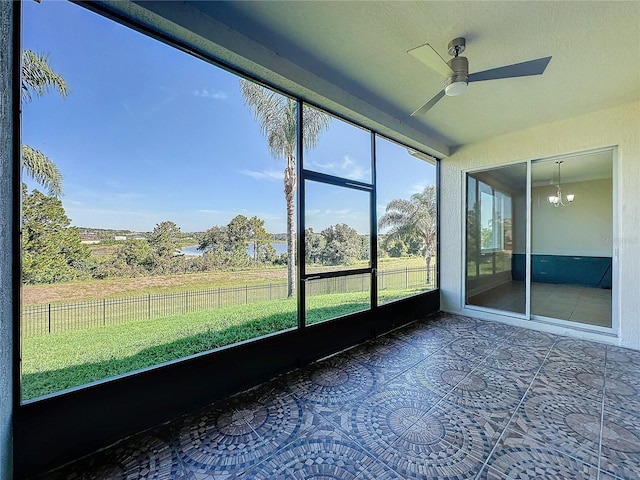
column 44, row 319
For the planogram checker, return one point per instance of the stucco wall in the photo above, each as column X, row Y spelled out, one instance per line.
column 618, row 127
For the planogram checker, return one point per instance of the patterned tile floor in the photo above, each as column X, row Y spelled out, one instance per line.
column 447, row 398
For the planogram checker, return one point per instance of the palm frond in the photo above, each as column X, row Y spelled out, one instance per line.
column 38, row 77
column 415, row 217
column 276, row 114
column 42, row 170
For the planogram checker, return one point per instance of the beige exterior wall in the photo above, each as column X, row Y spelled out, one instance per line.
column 617, row 127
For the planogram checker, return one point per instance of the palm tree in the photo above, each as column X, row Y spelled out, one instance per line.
column 276, row 114
column 38, row 78
column 416, row 217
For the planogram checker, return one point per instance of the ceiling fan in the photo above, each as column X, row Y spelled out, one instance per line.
column 456, row 70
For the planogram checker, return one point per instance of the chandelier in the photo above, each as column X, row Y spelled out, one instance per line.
column 556, row 200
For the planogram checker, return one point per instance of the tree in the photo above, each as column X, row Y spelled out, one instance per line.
column 314, row 245
column 414, row 219
column 227, row 246
column 134, row 253
column 343, row 245
column 276, row 114
column 263, row 251
column 51, row 249
column 164, row 243
column 38, row 78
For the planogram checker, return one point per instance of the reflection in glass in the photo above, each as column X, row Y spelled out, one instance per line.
column 570, row 245
column 496, row 238
column 336, row 228
column 328, row 298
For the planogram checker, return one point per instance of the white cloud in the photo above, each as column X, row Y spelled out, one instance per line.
column 215, row 95
column 264, row 175
column 348, row 168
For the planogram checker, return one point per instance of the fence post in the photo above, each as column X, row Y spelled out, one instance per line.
column 218, row 297
column 269, row 291
column 104, row 312
column 149, row 306
column 406, row 277
column 246, row 294
column 49, row 318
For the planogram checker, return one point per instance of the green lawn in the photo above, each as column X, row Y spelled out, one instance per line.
column 63, row 360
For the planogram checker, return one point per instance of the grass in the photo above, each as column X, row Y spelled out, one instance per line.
column 131, row 287
column 68, row 359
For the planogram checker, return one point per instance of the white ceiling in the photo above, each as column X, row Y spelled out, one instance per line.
column 351, row 56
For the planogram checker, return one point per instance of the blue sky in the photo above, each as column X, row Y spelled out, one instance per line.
column 149, row 133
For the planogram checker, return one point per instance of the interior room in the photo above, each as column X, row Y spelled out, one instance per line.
column 479, row 160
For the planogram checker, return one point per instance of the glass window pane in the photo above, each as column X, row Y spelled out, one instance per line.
column 473, row 246
column 173, row 225
column 571, row 248
column 337, row 223
column 495, row 257
column 407, row 222
column 328, row 298
column 343, row 150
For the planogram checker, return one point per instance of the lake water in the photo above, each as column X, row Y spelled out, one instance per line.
column 194, row 252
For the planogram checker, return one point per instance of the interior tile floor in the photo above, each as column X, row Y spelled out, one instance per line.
column 565, row 302
column 448, row 397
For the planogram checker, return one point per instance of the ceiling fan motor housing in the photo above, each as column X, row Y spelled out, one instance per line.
column 457, row 83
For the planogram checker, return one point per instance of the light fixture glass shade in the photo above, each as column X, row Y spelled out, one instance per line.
column 553, row 200
column 455, row 88
column 570, row 197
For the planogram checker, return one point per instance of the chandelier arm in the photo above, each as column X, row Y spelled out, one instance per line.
column 557, row 200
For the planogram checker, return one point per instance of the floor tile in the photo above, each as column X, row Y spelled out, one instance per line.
column 623, row 359
column 566, row 422
column 333, row 382
column 389, row 356
column 143, row 456
column 323, row 457
column 474, row 349
column 496, row 331
column 491, row 394
column 530, row 338
column 458, row 325
column 448, row 397
column 579, row 350
column 622, row 391
column 385, row 416
column 515, row 358
column 440, row 372
column 233, row 437
column 427, row 337
column 620, row 453
column 520, row 457
column 447, row 442
column 582, row 378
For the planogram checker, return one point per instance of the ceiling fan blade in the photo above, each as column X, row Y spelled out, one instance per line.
column 427, row 55
column 425, row 108
column 524, row 69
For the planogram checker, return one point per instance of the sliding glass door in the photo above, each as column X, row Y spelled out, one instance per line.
column 571, row 238
column 496, row 238
column 565, row 274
